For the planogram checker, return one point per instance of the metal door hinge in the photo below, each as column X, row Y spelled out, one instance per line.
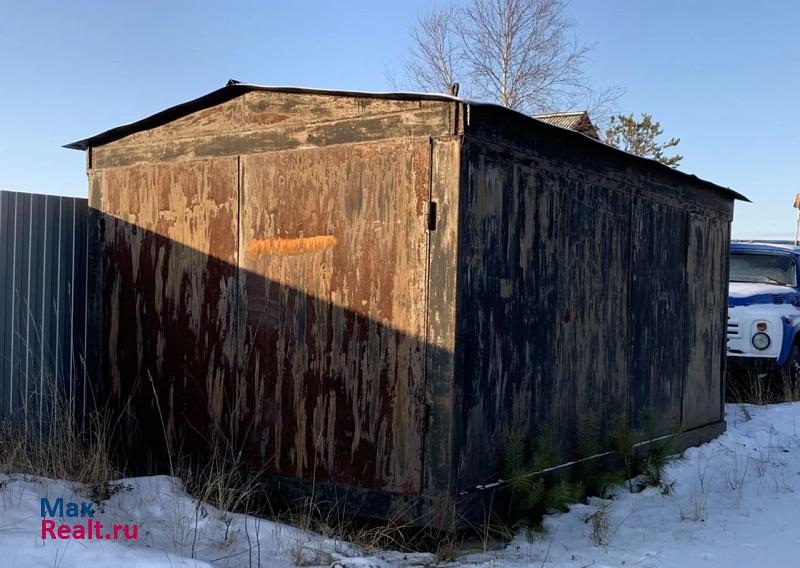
column 430, row 215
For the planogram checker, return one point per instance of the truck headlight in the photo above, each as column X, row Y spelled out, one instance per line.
column 761, row 341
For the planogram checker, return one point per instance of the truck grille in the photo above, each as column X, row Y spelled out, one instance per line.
column 733, row 328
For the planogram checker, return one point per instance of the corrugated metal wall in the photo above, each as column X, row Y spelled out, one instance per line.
column 42, row 303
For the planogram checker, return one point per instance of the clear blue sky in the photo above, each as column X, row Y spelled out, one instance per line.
column 723, row 75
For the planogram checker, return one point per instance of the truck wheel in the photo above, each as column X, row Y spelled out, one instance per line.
column 790, row 375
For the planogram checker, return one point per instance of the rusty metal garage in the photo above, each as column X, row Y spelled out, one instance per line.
column 368, row 291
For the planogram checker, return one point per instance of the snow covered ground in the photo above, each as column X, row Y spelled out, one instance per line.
column 735, row 503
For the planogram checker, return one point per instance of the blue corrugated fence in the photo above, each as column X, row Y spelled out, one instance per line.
column 42, row 304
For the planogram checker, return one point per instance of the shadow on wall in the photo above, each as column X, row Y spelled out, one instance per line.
column 263, row 358
column 312, row 352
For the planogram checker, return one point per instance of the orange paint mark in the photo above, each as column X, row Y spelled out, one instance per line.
column 289, row 247
column 269, row 118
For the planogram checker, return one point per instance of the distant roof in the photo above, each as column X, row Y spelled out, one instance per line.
column 235, row 89
column 578, row 121
column 764, row 247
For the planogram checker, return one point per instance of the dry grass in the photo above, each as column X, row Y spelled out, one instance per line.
column 600, row 522
column 63, row 450
column 445, row 539
column 768, row 386
column 752, row 387
column 314, row 517
column 224, row 482
column 81, row 450
column 789, row 389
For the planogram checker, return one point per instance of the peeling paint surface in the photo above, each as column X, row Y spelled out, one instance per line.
column 581, row 304
column 297, row 329
column 374, row 293
column 262, row 121
column 169, row 266
column 336, row 339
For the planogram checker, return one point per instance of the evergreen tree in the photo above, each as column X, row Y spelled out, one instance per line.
column 641, row 137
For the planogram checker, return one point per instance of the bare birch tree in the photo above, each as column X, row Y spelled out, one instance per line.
column 518, row 53
column 436, row 58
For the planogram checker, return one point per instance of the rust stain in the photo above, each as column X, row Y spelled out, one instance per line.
column 268, row 118
column 337, row 339
column 289, row 246
column 251, row 317
column 172, row 234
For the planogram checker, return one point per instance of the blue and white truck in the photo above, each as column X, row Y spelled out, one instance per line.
column 764, row 309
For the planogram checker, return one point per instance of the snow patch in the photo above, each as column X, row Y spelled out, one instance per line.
column 735, row 504
column 747, row 289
